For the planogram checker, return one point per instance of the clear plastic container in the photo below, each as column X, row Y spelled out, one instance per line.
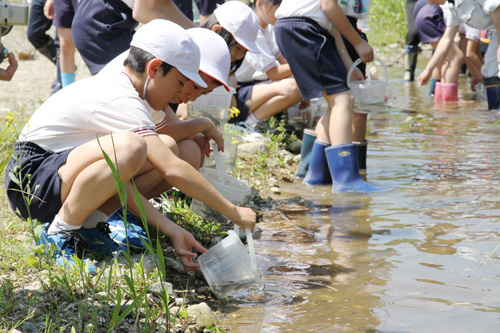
column 231, row 142
column 214, row 106
column 369, row 91
column 228, row 268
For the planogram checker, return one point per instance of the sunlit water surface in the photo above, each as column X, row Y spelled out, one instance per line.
column 406, row 260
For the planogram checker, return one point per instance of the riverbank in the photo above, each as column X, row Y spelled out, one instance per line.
column 36, row 295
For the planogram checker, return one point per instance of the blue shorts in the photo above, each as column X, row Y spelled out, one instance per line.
column 243, row 94
column 64, row 11
column 37, row 169
column 311, row 52
column 205, row 7
column 429, row 21
column 102, row 29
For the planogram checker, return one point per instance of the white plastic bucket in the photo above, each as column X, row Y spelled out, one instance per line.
column 228, row 267
column 369, row 91
column 232, row 189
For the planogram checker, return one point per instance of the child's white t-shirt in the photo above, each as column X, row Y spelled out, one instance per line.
column 475, row 13
column 304, row 8
column 255, row 65
column 88, row 109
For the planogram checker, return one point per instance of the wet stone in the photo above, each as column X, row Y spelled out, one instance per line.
column 157, row 289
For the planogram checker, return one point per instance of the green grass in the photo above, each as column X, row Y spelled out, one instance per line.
column 387, row 22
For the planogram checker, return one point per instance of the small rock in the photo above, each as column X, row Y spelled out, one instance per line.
column 204, row 315
column 194, row 329
column 275, row 190
column 181, row 301
column 295, row 147
column 102, row 295
column 296, row 159
column 174, row 264
column 253, row 148
column 35, row 311
column 157, row 289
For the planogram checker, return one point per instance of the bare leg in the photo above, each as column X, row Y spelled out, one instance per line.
column 86, row 179
column 335, row 127
column 270, row 98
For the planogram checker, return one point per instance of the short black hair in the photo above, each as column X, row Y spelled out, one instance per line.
column 227, row 36
column 138, row 58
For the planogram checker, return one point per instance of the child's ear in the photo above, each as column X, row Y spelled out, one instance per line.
column 153, row 67
column 216, row 28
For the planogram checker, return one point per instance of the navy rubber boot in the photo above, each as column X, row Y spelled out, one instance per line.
column 342, row 160
column 305, row 152
column 492, row 94
column 318, row 172
column 361, row 149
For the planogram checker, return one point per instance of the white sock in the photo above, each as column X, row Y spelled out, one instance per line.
column 94, row 218
column 252, row 120
column 59, row 225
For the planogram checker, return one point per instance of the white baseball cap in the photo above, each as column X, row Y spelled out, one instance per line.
column 215, row 57
column 172, row 44
column 241, row 21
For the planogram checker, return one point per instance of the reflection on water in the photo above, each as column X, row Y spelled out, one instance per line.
column 406, row 260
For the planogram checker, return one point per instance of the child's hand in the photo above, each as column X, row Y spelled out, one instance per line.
column 7, row 73
column 365, row 51
column 184, row 243
column 424, row 77
column 214, row 134
column 246, row 218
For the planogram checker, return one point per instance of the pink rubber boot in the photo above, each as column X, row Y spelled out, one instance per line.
column 438, row 92
column 450, row 92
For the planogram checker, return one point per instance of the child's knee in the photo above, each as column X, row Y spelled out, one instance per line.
column 132, row 147
column 170, row 143
column 190, row 152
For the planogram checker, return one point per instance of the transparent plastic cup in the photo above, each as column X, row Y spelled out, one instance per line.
column 231, row 142
column 227, row 267
column 214, row 106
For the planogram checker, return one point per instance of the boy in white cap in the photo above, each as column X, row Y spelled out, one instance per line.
column 58, row 150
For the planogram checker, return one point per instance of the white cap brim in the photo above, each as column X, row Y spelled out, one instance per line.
column 218, row 79
column 195, row 77
column 248, row 45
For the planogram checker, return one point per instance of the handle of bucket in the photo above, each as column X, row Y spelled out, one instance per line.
column 358, row 61
column 251, row 247
column 219, row 164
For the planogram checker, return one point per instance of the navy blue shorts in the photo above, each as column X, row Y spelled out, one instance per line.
column 207, row 7
column 243, row 94
column 311, row 52
column 64, row 11
column 102, row 29
column 36, row 169
column 429, row 22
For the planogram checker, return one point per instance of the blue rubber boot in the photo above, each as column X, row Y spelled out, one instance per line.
column 493, row 94
column 318, row 172
column 432, row 86
column 343, row 164
column 305, row 152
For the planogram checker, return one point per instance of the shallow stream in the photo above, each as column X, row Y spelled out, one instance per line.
column 406, row 260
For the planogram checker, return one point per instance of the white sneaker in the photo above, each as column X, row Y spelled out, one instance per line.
column 248, row 133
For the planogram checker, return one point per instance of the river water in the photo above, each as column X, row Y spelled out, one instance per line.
column 415, row 258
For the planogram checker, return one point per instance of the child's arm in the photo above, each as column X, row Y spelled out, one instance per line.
column 279, row 72
column 7, row 73
column 148, row 10
column 440, row 53
column 185, row 129
column 183, row 176
column 346, row 59
column 335, row 14
column 183, row 241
